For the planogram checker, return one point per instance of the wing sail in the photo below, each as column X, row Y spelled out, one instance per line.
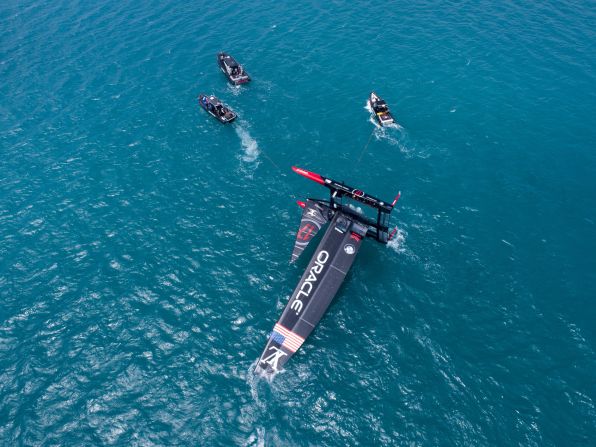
column 313, row 294
column 314, row 216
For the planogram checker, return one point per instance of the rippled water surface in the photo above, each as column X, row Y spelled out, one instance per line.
column 144, row 247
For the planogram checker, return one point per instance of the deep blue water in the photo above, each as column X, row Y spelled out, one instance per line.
column 144, row 246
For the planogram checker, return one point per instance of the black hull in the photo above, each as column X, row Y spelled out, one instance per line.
column 320, row 282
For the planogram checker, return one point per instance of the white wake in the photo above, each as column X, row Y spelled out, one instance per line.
column 388, row 132
column 398, row 242
column 249, row 144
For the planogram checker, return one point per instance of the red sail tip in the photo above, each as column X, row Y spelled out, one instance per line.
column 392, row 234
column 300, row 203
column 396, row 199
column 309, row 175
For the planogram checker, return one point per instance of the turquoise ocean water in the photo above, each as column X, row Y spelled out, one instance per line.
column 144, row 247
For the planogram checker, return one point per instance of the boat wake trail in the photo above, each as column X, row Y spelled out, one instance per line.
column 235, row 89
column 387, row 133
column 393, row 133
column 254, row 410
column 249, row 144
column 251, row 149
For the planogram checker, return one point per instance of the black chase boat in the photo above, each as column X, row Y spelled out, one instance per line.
column 380, row 109
column 329, row 265
column 216, row 108
column 232, row 69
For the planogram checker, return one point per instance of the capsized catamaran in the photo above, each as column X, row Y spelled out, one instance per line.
column 328, row 266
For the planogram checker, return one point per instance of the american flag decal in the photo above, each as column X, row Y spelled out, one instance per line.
column 286, row 338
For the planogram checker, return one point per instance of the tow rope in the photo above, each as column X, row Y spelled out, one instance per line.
column 366, row 145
